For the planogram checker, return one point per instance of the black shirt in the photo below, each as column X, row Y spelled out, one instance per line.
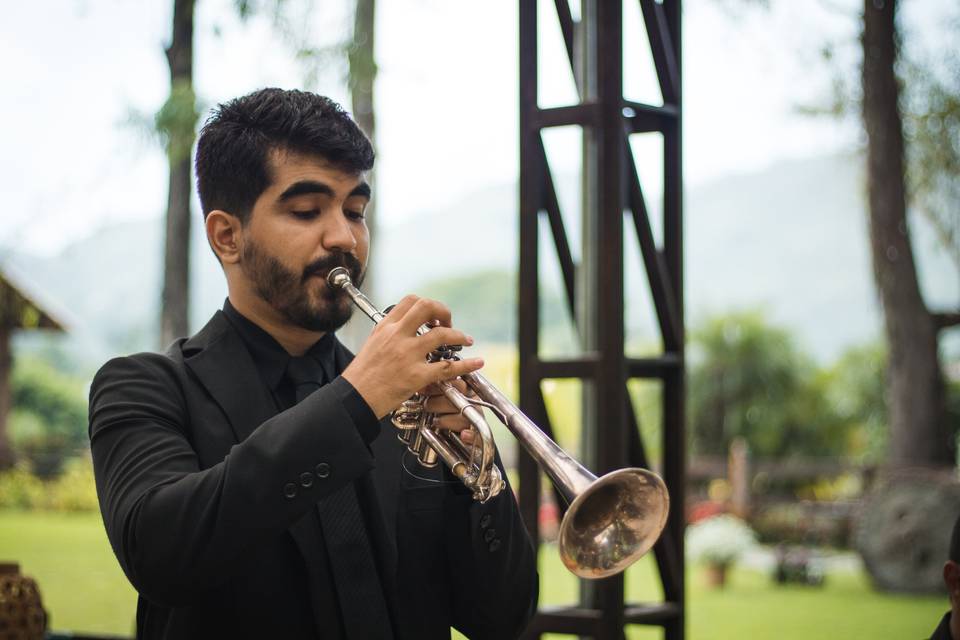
column 271, row 360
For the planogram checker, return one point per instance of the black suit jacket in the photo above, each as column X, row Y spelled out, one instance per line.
column 942, row 632
column 208, row 495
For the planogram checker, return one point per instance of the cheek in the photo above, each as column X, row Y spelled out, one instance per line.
column 363, row 244
column 295, row 251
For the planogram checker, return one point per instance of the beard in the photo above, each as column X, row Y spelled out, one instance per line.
column 302, row 300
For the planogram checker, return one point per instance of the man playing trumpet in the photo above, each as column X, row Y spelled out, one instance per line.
column 249, row 482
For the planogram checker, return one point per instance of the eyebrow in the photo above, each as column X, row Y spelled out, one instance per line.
column 302, row 187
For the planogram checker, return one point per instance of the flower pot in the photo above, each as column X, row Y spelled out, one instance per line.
column 21, row 613
column 717, row 574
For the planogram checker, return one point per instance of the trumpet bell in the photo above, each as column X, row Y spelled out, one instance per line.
column 617, row 519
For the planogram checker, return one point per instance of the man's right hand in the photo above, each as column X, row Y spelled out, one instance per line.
column 392, row 365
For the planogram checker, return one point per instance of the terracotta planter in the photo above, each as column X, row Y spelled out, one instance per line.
column 717, row 574
column 21, row 612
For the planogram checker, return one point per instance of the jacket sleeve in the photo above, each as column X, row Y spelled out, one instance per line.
column 493, row 565
column 179, row 529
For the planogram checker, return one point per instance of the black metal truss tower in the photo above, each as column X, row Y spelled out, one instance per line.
column 594, row 288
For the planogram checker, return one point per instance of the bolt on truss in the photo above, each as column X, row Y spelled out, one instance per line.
column 594, row 286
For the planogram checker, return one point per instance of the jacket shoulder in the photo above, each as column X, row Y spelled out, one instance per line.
column 143, row 363
column 139, row 386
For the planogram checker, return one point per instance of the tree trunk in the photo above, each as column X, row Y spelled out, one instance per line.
column 363, row 67
column 362, row 71
column 179, row 125
column 6, row 369
column 918, row 433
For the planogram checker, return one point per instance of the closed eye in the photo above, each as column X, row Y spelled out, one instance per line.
column 309, row 214
column 354, row 215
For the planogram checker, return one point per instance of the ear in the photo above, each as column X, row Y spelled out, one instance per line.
column 951, row 578
column 224, row 233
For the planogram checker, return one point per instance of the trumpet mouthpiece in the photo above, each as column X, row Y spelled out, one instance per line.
column 338, row 278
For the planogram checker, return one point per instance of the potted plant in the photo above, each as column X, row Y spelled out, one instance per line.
column 717, row 542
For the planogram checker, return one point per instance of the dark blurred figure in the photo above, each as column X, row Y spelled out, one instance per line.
column 949, row 628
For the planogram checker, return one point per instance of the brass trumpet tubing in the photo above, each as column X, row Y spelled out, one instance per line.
column 570, row 477
column 483, row 455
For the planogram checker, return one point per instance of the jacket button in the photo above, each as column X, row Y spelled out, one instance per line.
column 290, row 490
column 323, row 470
column 494, row 545
column 485, row 521
column 306, row 480
column 489, row 535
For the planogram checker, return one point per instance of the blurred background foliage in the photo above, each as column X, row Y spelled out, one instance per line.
column 749, row 378
column 48, row 423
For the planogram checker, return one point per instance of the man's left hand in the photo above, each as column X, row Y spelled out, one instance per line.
column 447, row 416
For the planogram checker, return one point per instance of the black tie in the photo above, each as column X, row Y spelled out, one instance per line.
column 348, row 547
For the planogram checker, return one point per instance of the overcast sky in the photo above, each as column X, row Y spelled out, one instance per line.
column 74, row 71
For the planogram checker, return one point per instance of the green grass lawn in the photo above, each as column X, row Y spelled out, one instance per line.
column 84, row 590
column 82, row 586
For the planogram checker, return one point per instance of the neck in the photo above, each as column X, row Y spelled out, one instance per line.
column 954, row 624
column 294, row 340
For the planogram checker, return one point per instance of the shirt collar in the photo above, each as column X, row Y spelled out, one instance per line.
column 270, row 358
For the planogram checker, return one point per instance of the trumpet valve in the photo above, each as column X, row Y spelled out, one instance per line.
column 409, row 414
column 422, row 449
column 406, row 436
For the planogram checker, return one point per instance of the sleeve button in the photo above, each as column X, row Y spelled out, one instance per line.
column 323, row 470
column 290, row 490
column 489, row 535
column 306, row 480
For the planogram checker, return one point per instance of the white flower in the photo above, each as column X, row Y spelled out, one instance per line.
column 720, row 539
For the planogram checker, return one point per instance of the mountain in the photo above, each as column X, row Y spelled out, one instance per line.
column 791, row 239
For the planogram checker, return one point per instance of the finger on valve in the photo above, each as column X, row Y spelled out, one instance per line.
column 450, row 421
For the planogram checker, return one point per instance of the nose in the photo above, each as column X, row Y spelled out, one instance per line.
column 338, row 235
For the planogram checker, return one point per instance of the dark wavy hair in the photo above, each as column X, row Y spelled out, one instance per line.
column 236, row 140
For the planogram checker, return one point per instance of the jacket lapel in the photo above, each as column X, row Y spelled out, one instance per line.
column 221, row 362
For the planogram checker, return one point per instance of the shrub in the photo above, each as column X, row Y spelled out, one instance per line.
column 49, row 417
column 20, row 489
column 73, row 490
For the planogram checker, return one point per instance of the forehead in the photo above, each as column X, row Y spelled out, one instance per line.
column 287, row 167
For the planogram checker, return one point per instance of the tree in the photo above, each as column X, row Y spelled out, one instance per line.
column 361, row 78
column 918, row 425
column 748, row 379
column 854, row 387
column 176, row 122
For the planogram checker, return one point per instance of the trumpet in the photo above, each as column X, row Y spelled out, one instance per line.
column 611, row 521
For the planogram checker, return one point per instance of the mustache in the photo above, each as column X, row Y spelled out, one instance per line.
column 322, row 266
